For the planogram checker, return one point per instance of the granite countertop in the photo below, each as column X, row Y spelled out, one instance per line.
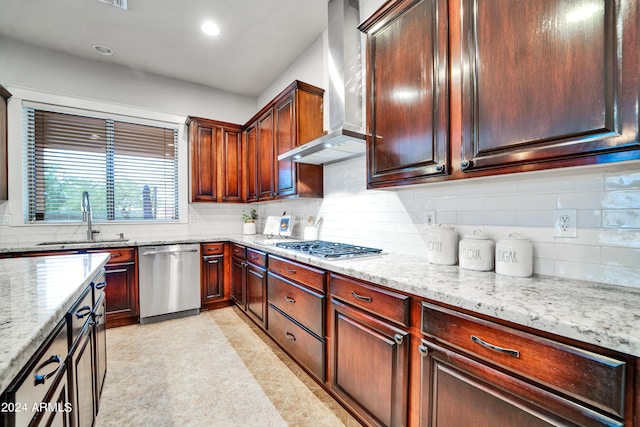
column 35, row 294
column 594, row 313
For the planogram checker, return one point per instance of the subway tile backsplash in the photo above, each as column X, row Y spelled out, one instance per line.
column 606, row 199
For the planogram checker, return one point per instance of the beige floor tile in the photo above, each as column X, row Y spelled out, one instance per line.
column 214, row 369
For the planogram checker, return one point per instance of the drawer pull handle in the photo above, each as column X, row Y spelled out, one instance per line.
column 40, row 379
column 513, row 353
column 423, row 350
column 101, row 285
column 255, row 257
column 360, row 297
column 290, row 336
column 83, row 312
column 115, row 255
column 398, row 339
column 289, row 299
column 290, row 270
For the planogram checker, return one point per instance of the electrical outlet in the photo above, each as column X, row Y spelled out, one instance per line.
column 192, row 218
column 6, row 219
column 430, row 218
column 565, row 223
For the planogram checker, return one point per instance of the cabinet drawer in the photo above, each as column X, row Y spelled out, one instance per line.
column 212, row 249
column 256, row 257
column 303, row 305
column 593, row 378
column 39, row 376
column 238, row 251
column 300, row 344
column 301, row 273
column 387, row 304
column 118, row 255
column 79, row 314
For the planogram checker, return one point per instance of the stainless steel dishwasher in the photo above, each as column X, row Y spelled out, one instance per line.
column 169, row 281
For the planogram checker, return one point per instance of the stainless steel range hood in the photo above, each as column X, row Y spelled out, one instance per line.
column 345, row 138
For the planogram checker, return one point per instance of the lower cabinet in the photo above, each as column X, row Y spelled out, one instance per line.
column 43, row 380
column 256, row 278
column 82, row 358
column 369, row 352
column 123, row 305
column 249, row 282
column 214, row 289
column 474, row 372
column 100, row 328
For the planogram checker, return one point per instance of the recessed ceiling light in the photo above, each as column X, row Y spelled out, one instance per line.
column 102, row 50
column 210, row 28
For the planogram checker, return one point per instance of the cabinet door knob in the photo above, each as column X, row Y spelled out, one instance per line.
column 465, row 164
column 439, row 168
column 423, row 350
column 398, row 339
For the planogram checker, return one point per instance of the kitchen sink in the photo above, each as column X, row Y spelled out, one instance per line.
column 80, row 242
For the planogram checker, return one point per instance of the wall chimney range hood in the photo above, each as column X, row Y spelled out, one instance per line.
column 345, row 138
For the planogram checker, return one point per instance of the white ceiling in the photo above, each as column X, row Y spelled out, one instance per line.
column 259, row 38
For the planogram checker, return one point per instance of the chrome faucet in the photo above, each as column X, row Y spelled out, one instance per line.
column 86, row 215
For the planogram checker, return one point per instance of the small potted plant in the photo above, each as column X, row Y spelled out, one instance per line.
column 249, row 226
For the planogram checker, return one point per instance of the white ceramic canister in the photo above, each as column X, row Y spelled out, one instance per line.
column 476, row 252
column 249, row 227
column 442, row 245
column 514, row 256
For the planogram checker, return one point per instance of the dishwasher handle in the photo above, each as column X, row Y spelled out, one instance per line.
column 168, row 251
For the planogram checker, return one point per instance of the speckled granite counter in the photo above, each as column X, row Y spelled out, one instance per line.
column 595, row 313
column 35, row 294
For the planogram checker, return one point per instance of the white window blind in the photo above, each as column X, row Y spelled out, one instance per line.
column 130, row 170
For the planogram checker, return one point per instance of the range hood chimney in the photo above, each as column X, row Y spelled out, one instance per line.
column 345, row 138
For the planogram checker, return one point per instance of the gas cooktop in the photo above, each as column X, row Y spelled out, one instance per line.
column 332, row 250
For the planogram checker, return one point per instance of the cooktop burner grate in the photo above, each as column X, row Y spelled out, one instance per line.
column 323, row 249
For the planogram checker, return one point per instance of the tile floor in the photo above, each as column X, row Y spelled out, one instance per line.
column 214, row 369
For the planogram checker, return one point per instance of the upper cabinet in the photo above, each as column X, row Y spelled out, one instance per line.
column 4, row 96
column 407, row 92
column 216, row 160
column 234, row 163
column 298, row 120
column 547, row 84
column 499, row 88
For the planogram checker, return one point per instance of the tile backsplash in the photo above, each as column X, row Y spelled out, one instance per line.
column 606, row 200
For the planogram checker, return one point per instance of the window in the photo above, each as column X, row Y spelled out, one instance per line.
column 130, row 170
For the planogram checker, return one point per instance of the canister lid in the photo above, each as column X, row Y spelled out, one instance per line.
column 515, row 236
column 477, row 235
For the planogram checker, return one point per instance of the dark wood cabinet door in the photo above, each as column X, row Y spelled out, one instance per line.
column 251, row 162
column 231, row 170
column 4, row 183
column 266, row 157
column 458, row 391
column 122, row 294
column 369, row 365
column 100, row 331
column 407, row 93
column 212, row 279
column 238, row 267
column 285, row 112
column 256, row 279
column 83, row 375
column 59, row 397
column 548, row 83
column 203, row 162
